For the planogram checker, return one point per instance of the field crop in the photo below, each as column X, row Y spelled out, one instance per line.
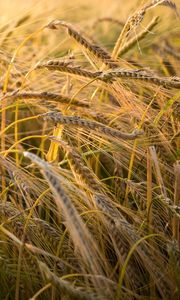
column 90, row 150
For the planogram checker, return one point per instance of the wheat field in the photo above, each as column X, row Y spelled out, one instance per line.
column 90, row 150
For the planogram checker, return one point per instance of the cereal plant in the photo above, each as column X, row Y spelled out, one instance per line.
column 90, row 150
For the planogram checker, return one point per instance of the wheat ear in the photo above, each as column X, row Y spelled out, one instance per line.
column 63, row 286
column 59, row 98
column 167, row 48
column 54, row 65
column 167, row 82
column 132, row 42
column 108, row 19
column 95, row 49
column 98, row 127
column 168, row 3
column 134, row 20
column 102, row 201
column 79, row 233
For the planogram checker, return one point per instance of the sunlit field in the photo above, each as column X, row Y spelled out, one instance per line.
column 90, row 150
